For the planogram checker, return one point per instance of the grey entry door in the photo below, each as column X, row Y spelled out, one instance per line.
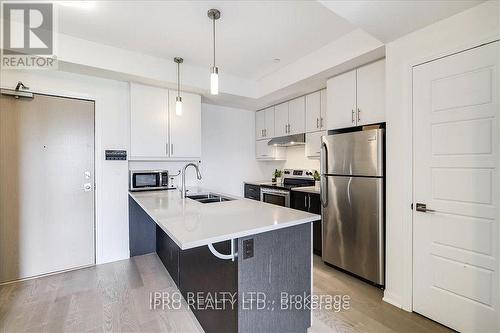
column 46, row 185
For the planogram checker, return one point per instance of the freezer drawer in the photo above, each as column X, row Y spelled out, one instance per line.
column 355, row 154
column 353, row 228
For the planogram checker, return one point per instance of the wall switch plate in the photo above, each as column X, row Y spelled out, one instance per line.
column 247, row 248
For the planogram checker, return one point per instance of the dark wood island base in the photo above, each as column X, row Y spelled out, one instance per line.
column 264, row 289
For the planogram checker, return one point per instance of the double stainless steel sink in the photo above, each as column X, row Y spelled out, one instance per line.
column 208, row 197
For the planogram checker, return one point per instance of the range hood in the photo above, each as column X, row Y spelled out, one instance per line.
column 288, row 141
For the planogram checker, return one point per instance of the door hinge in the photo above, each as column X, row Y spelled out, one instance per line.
column 411, row 206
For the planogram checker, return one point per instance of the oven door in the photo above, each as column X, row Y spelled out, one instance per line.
column 145, row 180
column 275, row 196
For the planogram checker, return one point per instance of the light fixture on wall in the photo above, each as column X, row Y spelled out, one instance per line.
column 214, row 14
column 178, row 99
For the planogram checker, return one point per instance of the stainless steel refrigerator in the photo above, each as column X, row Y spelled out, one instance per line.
column 352, row 198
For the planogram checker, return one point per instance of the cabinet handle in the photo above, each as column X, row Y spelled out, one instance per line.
column 305, row 201
column 309, row 207
column 172, row 149
column 352, row 115
column 317, row 122
column 167, row 149
column 321, row 122
column 265, row 132
column 359, row 111
column 288, row 128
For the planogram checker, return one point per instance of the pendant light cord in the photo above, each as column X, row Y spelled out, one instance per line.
column 214, row 37
column 178, row 79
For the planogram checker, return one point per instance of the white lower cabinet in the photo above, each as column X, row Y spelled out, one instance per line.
column 313, row 143
column 265, row 152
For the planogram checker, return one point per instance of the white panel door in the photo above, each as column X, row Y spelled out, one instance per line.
column 370, row 94
column 260, row 124
column 269, row 130
column 148, row 121
column 313, row 112
column 281, row 119
column 341, row 101
column 46, row 185
column 456, row 160
column 185, row 130
column 297, row 115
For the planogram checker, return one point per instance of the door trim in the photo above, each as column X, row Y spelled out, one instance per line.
column 94, row 101
column 407, row 233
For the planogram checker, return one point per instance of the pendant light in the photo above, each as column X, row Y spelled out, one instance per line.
column 178, row 99
column 214, row 14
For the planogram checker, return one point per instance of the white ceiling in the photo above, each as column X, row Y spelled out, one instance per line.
column 250, row 34
column 388, row 20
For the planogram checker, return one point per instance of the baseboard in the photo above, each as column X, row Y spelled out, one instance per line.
column 391, row 299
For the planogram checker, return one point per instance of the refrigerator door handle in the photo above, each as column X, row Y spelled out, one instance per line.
column 324, row 180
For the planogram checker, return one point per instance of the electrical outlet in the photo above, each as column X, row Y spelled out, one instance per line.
column 248, row 248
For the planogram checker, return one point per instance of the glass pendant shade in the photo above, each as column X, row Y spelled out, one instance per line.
column 214, row 81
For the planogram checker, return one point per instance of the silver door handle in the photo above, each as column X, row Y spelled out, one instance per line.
column 167, row 149
column 321, row 122
column 317, row 122
column 359, row 111
column 172, row 149
column 352, row 115
column 305, row 201
column 324, row 181
column 421, row 207
column 309, row 206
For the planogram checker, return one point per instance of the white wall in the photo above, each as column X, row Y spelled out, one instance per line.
column 112, row 132
column 228, row 149
column 296, row 159
column 456, row 33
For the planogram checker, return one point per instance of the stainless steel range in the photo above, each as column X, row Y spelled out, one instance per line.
column 279, row 193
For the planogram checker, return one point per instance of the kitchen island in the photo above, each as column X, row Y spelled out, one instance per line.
column 254, row 259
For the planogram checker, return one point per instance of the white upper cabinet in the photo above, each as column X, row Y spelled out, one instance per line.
column 185, row 130
column 313, row 144
column 371, row 93
column 265, row 152
column 315, row 111
column 296, row 115
column 148, row 122
column 156, row 132
column 323, row 96
column 281, row 119
column 260, row 124
column 341, row 100
column 264, row 123
column 357, row 97
column 269, row 129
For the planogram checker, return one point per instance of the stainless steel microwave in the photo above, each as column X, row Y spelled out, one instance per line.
column 143, row 180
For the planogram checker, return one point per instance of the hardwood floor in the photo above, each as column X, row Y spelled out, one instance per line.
column 115, row 297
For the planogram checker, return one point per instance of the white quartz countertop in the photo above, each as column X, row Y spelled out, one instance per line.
column 192, row 224
column 307, row 189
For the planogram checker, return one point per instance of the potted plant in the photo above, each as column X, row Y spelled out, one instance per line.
column 277, row 176
column 317, row 178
